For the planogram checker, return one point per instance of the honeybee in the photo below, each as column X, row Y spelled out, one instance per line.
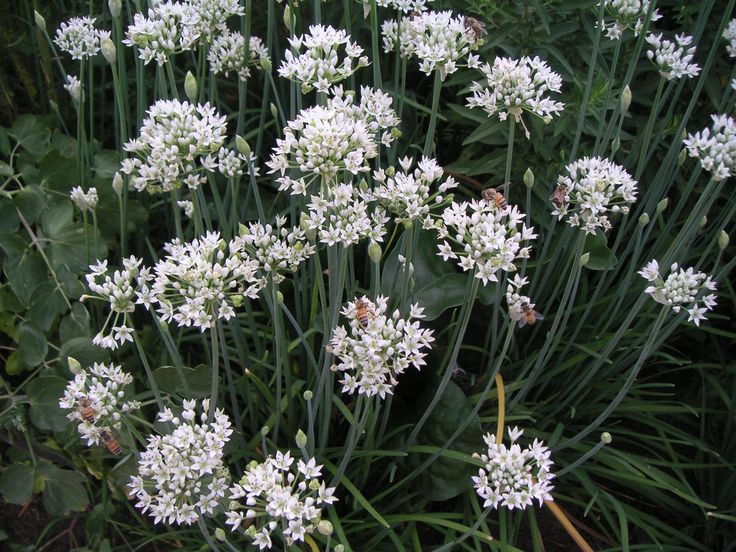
column 86, row 410
column 364, row 311
column 490, row 194
column 478, row 28
column 110, row 442
column 558, row 196
column 529, row 315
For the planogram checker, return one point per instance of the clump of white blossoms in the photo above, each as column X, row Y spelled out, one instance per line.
column 408, row 194
column 227, row 54
column 682, row 289
column 627, row 14
column 79, row 38
column 101, row 388
column 483, row 238
column 344, row 216
column 514, row 477
column 377, row 347
column 591, row 188
column 176, row 138
column 404, row 6
column 715, row 147
column 277, row 249
column 442, row 41
column 74, row 86
column 730, row 35
column 673, row 59
column 85, row 201
column 119, row 290
column 201, row 281
column 375, row 110
column 513, row 86
column 521, row 308
column 328, row 57
column 278, row 499
column 181, row 476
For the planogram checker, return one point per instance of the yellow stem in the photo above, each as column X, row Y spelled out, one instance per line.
column 568, row 526
column 312, row 545
column 501, row 408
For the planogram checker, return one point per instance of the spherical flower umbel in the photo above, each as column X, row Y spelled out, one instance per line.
column 79, row 38
column 513, row 86
column 227, row 54
column 375, row 110
column 514, row 477
column 181, row 476
column 673, row 59
column 377, row 347
column 85, row 201
column 627, row 14
column 730, row 35
column 715, row 147
column 682, row 289
column 278, row 498
column 591, row 188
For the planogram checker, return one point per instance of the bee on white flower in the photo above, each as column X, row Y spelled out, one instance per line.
column 673, row 59
column 521, row 308
column 627, row 14
column 715, row 147
column 79, row 38
column 85, row 201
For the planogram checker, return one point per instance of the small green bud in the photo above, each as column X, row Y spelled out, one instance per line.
column 662, row 205
column 264, row 430
column 251, row 531
column 722, row 240
column 391, row 171
column 374, row 252
column 616, row 144
column 274, row 111
column 407, row 224
column 325, row 528
column 606, row 438
column 115, row 6
column 682, row 157
column 279, row 298
column 314, row 484
column 528, row 178
column 625, row 99
column 339, row 548
column 396, row 133
column 40, row 21
column 54, row 106
column 644, row 220
column 191, row 88
column 237, row 300
column 74, row 366
column 703, row 221
column 117, row 183
column 220, row 534
column 242, row 229
column 584, row 258
column 289, row 19
column 266, row 64
column 308, row 395
column 108, row 50
column 301, row 439
column 242, row 146
column 363, row 185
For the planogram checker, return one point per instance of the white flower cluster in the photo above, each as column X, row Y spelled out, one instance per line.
column 514, row 477
column 404, row 6
column 513, row 86
column 627, row 14
column 176, row 143
column 521, row 308
column 683, row 288
column 673, row 59
column 119, row 290
column 715, row 147
column 276, row 248
column 96, row 398
column 590, row 188
column 79, row 38
column 279, row 499
column 227, row 54
column 320, row 65
column 730, row 35
column 440, row 40
column 487, row 238
column 74, row 87
column 199, row 282
column 181, row 476
column 344, row 216
column 85, row 201
column 407, row 194
column 375, row 109
column 377, row 348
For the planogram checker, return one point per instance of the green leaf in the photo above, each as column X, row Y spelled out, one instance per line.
column 7, row 325
column 601, row 257
column 16, row 483
column 199, row 380
column 15, row 363
column 57, row 218
column 9, row 220
column 58, row 172
column 107, row 163
column 30, row 201
column 23, row 267
column 63, row 490
column 47, row 303
column 83, row 350
column 75, row 324
column 44, row 393
column 32, row 135
column 33, row 343
column 4, row 143
column 67, row 245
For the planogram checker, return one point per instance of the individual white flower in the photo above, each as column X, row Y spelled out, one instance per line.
column 514, row 477
column 483, row 238
column 442, row 41
column 591, row 188
column 175, row 146
column 513, row 86
column 673, row 59
column 521, row 308
column 85, row 201
column 377, row 347
column 730, row 35
column 682, row 289
column 627, row 14
column 276, row 248
column 74, row 87
column 278, row 498
column 375, row 110
column 328, row 57
column 79, row 38
column 96, row 399
column 715, row 147
column 227, row 54
column 181, row 476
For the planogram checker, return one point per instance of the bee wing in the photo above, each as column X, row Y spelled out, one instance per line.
column 522, row 321
column 538, row 315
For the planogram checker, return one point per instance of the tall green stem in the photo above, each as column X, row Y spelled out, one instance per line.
column 433, row 116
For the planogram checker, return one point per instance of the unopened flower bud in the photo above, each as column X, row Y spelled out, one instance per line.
column 682, row 157
column 606, row 438
column 40, row 21
column 584, row 258
column 191, row 89
column 242, row 146
column 279, row 298
column 339, row 548
column 266, row 64
column 616, row 144
column 74, row 366
column 115, row 6
column 722, row 240
column 374, row 252
column 242, row 229
column 703, row 221
column 395, row 133
column 308, row 395
column 274, row 111
column 363, row 185
column 662, row 205
column 528, row 178
column 325, row 528
column 625, row 99
column 264, row 430
column 108, row 50
column 289, row 19
column 220, row 534
column 117, row 183
column 644, row 220
column 301, row 439
column 391, row 171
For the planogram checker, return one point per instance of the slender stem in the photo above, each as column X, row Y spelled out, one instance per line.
column 569, row 527
column 375, row 47
column 433, row 116
column 501, row 408
column 509, row 156
column 146, row 366
column 362, row 411
column 650, row 126
column 214, row 387
column 609, row 88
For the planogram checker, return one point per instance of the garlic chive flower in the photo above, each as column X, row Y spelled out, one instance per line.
column 730, row 35
column 514, row 477
column 590, row 189
column 79, row 38
column 442, row 41
column 715, row 147
column 175, row 146
column 483, row 238
column 276, row 498
column 682, row 289
column 102, row 388
column 227, row 54
column 378, row 347
column 375, row 110
column 521, row 308
column 324, row 56
column 74, row 87
column 201, row 281
column 85, row 201
column 513, row 86
column 627, row 14
column 181, row 476
column 673, row 59
column 404, row 6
